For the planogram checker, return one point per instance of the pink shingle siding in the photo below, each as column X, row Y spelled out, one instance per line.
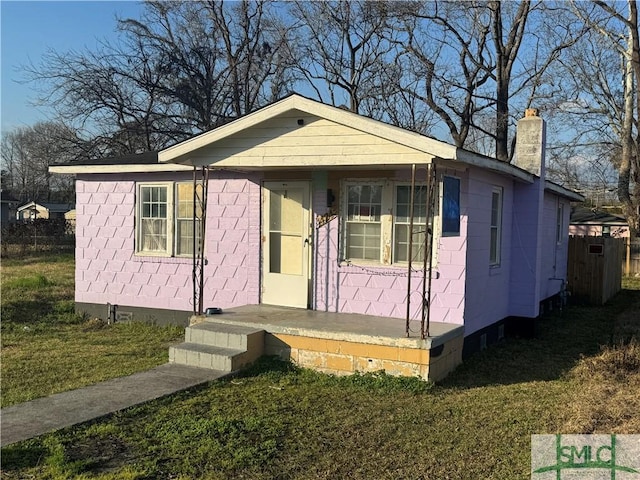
column 108, row 270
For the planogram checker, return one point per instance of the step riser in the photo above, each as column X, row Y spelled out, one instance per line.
column 213, row 361
column 224, row 339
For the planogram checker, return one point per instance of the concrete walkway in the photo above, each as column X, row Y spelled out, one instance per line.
column 43, row 415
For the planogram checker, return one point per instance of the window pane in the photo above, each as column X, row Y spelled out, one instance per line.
column 154, row 235
column 402, row 213
column 496, row 226
column 559, row 222
column 401, row 242
column 364, row 203
column 363, row 241
column 184, row 199
column 495, row 208
column 184, row 236
column 493, row 250
column 451, row 206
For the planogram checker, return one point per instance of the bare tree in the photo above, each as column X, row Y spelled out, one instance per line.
column 27, row 153
column 472, row 70
column 345, row 48
column 449, row 62
column 601, row 78
column 182, row 68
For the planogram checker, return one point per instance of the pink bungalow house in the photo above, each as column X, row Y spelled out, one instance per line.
column 308, row 208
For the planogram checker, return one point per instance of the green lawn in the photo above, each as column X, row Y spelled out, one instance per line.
column 280, row 422
column 47, row 348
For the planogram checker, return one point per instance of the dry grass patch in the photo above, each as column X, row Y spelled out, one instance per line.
column 608, row 399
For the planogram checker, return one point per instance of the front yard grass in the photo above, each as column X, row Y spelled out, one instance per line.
column 277, row 421
column 47, row 348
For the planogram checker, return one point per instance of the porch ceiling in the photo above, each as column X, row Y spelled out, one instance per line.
column 337, row 326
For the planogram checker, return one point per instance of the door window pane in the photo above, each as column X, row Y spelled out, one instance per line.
column 286, row 231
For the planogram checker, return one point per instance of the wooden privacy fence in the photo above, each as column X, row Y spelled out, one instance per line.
column 631, row 264
column 595, row 268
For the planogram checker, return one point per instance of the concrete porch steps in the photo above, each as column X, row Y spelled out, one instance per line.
column 218, row 346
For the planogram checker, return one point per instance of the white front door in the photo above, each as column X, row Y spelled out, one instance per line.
column 286, row 244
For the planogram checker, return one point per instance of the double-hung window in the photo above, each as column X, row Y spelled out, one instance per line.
column 185, row 227
column 165, row 225
column 363, row 225
column 154, row 218
column 402, row 223
column 496, row 226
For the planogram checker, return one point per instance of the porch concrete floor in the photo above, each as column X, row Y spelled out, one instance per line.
column 337, row 326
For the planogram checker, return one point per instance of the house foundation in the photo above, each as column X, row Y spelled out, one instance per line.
column 343, row 344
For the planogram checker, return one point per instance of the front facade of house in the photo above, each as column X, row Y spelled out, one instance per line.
column 310, row 206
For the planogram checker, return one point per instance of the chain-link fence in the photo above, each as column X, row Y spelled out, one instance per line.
column 40, row 235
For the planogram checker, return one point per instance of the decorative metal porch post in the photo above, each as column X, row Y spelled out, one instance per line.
column 200, row 190
column 427, row 263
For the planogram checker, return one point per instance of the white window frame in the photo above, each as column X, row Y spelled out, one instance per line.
column 387, row 222
column 169, row 219
column 395, row 222
column 345, row 210
column 172, row 219
column 495, row 260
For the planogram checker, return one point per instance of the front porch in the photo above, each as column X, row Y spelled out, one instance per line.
column 342, row 343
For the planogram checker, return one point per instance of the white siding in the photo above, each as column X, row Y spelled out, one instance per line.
column 281, row 141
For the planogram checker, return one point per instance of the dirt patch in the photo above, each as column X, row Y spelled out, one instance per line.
column 101, row 454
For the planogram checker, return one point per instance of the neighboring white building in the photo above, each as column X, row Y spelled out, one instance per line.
column 33, row 210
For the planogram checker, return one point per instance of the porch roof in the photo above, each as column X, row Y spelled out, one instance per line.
column 350, row 327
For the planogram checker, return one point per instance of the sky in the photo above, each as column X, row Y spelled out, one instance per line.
column 31, row 28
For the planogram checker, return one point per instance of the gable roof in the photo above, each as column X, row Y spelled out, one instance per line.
column 194, row 151
column 51, row 207
column 587, row 216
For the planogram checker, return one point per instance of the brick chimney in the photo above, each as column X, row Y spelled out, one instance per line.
column 531, row 143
